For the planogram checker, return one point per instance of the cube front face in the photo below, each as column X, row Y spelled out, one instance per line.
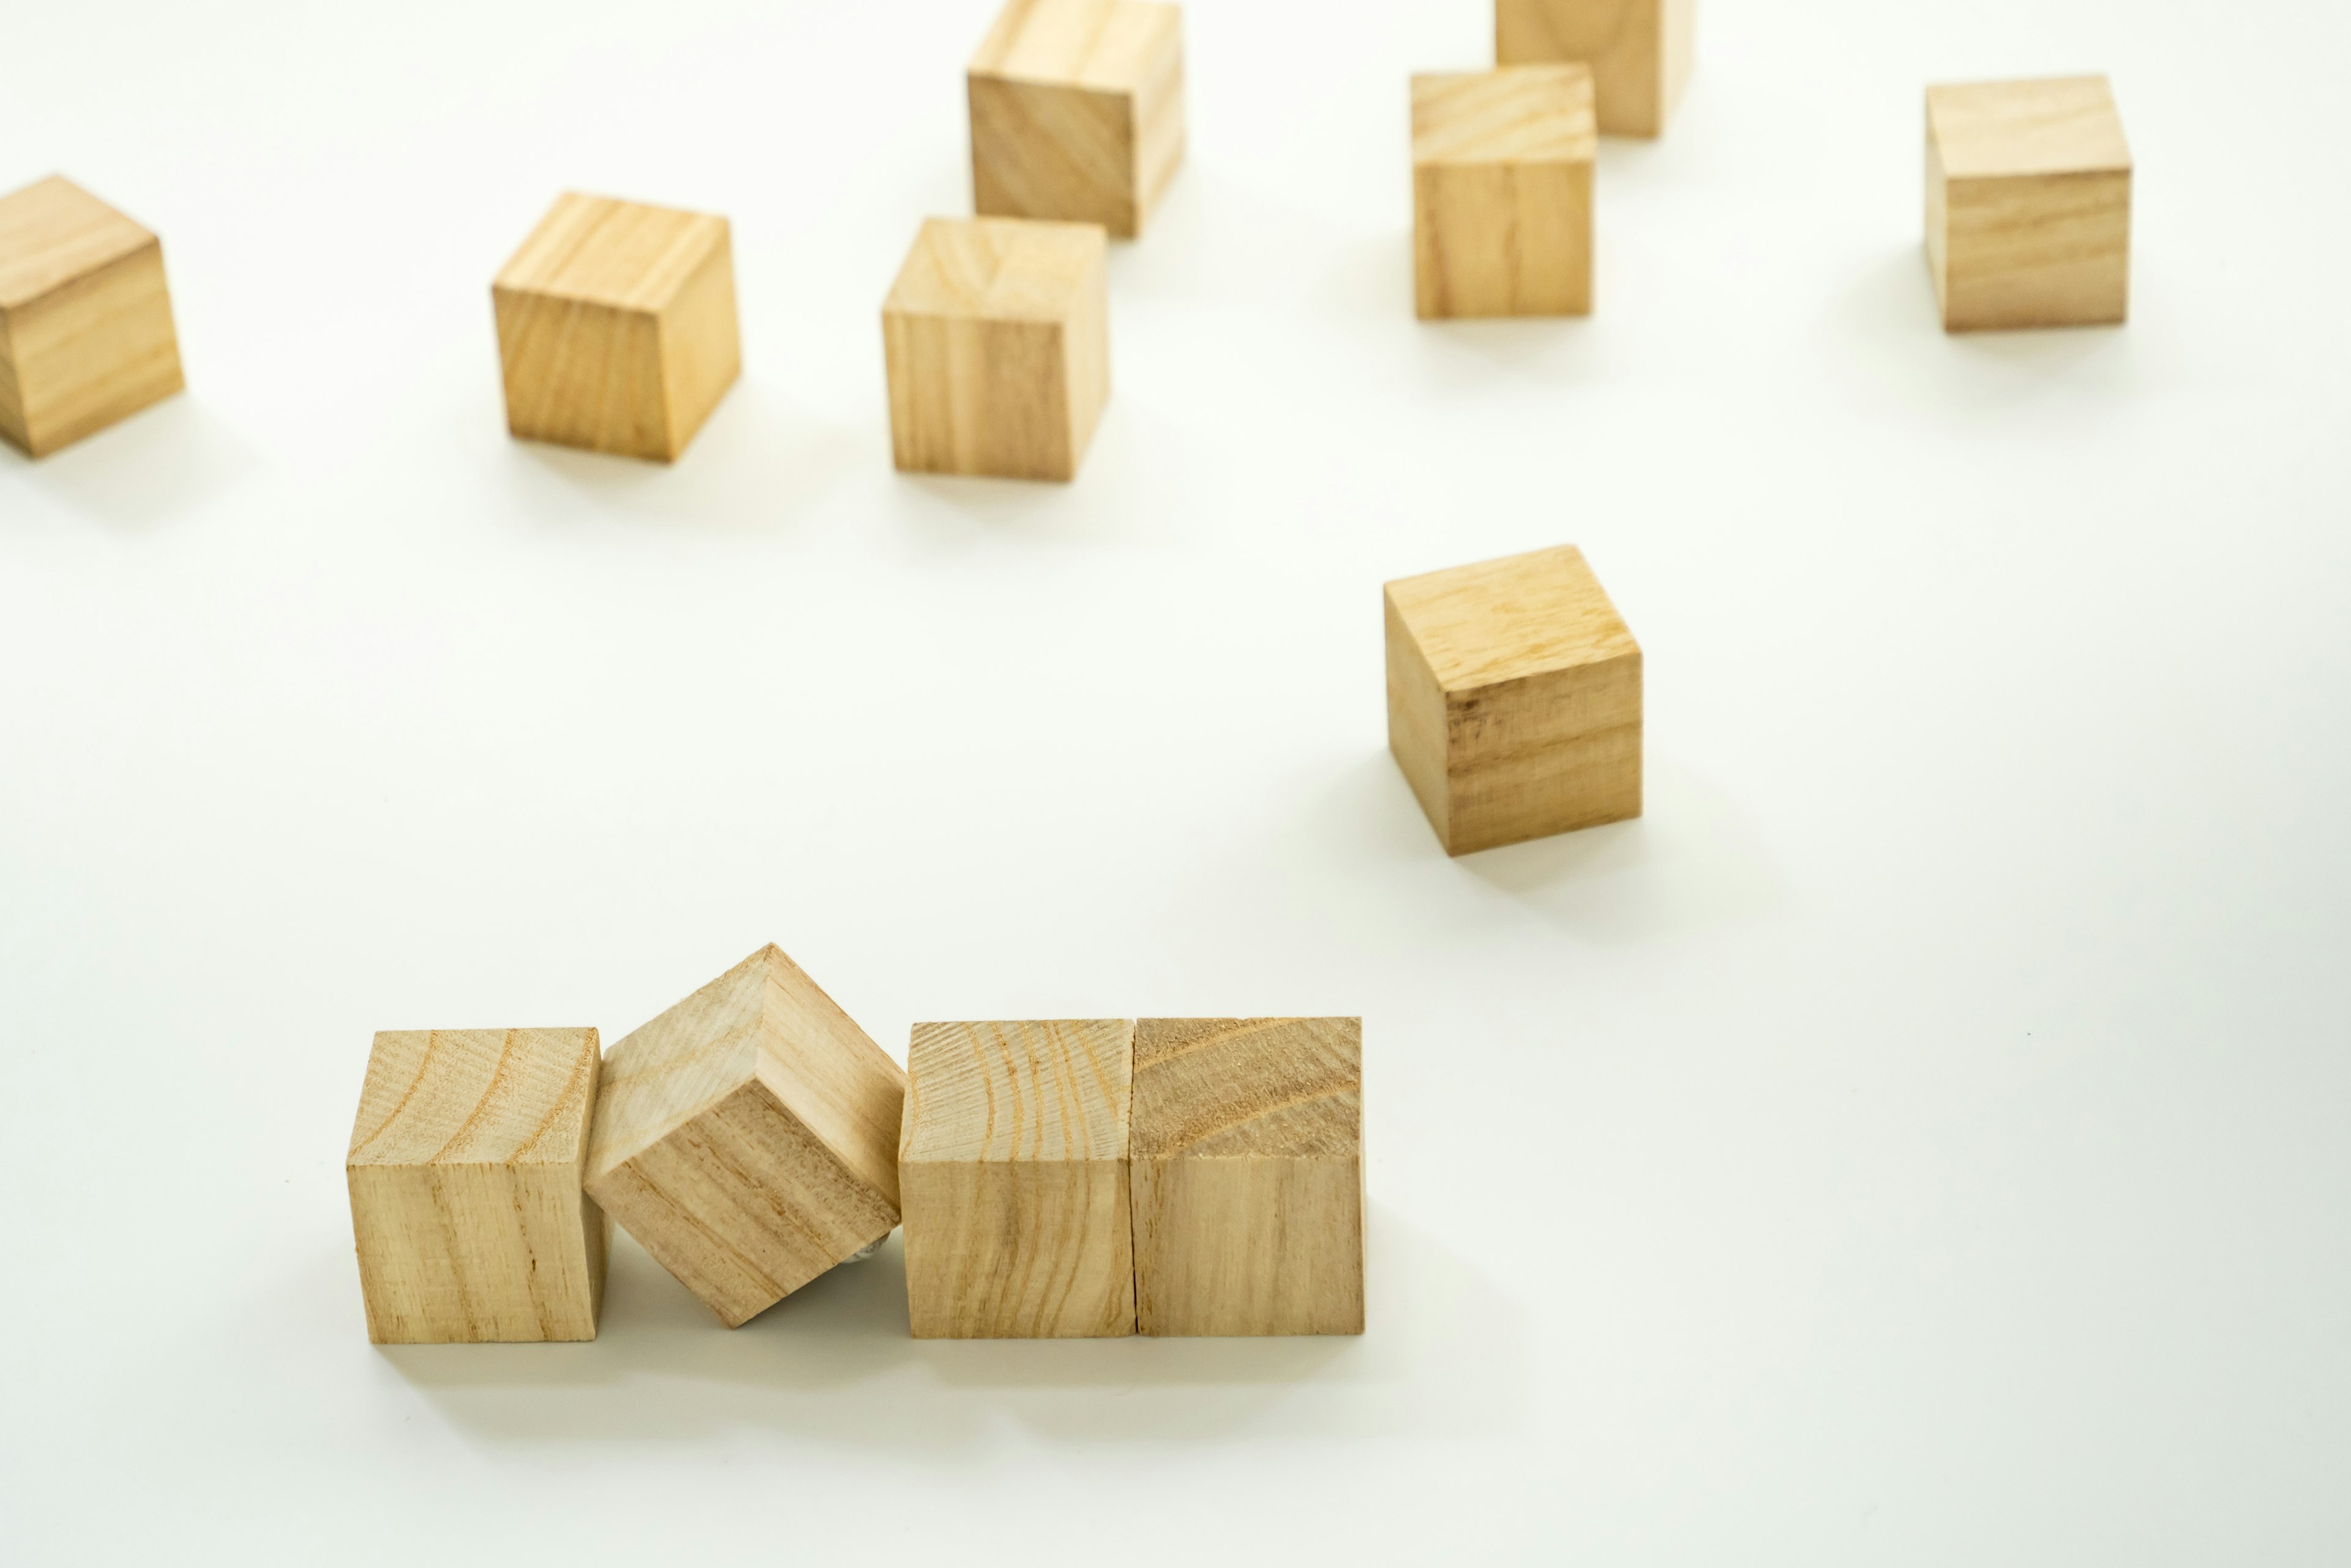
column 1502, row 192
column 1247, row 1176
column 464, row 1173
column 616, row 326
column 1013, row 1168
column 2028, row 204
column 85, row 331
column 1514, row 699
column 1077, row 111
column 1641, row 52
column 996, row 339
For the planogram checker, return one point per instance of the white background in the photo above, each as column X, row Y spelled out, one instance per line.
column 1919, row 1140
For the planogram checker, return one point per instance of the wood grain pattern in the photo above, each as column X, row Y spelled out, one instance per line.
column 616, row 326
column 1247, row 1176
column 996, row 339
column 1501, row 184
column 85, row 331
column 1641, row 52
column 1012, row 1164
column 2028, row 204
column 1077, row 111
column 1514, row 699
column 748, row 1137
column 465, row 1173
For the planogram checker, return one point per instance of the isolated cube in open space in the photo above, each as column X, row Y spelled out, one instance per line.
column 616, row 326
column 1248, row 1176
column 1514, row 699
column 86, row 335
column 465, row 1173
column 1501, row 192
column 1077, row 111
column 1012, row 1171
column 1640, row 51
column 997, row 335
column 748, row 1137
column 2028, row 204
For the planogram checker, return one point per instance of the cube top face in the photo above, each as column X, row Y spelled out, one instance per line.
column 1050, row 1091
column 1511, row 619
column 999, row 269
column 52, row 232
column 2065, row 125
column 1270, row 1088
column 1102, row 46
column 622, row 254
column 476, row 1097
column 1518, row 114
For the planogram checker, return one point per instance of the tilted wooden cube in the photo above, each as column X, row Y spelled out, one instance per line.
column 748, row 1137
column 1501, row 192
column 464, row 1173
column 1640, row 51
column 1077, row 111
column 86, row 335
column 1248, row 1176
column 616, row 326
column 1012, row 1169
column 2028, row 204
column 1514, row 699
column 997, row 335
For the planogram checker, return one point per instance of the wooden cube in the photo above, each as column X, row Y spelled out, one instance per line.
column 1640, row 52
column 616, row 326
column 748, row 1137
column 1012, row 1169
column 2028, row 204
column 1501, row 192
column 1077, row 111
column 464, row 1170
column 998, row 341
column 86, row 335
column 1248, row 1175
column 1514, row 699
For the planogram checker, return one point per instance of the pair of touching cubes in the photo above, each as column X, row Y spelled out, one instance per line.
column 616, row 321
column 1056, row 1180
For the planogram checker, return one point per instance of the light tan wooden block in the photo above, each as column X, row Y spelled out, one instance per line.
column 1247, row 1176
column 616, row 326
column 2028, row 204
column 1012, row 1169
column 1514, row 699
column 86, row 335
column 464, row 1170
column 998, row 341
column 1501, row 192
column 1640, row 51
column 748, row 1137
column 1077, row 111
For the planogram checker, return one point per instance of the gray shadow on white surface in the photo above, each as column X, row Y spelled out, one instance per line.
column 163, row 461
column 835, row 1362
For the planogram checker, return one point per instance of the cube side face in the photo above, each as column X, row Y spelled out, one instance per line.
column 1247, row 1245
column 473, row 1254
column 979, row 397
column 1018, row 1249
column 1641, row 52
column 1069, row 153
column 830, row 1074
column 701, row 352
column 1549, row 754
column 2033, row 250
column 582, row 374
column 1159, row 125
column 1417, row 730
column 90, row 352
column 1503, row 239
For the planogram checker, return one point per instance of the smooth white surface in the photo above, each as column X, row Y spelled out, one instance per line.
column 1920, row 1140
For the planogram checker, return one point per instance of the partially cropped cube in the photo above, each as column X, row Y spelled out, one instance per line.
column 748, row 1137
column 1514, row 699
column 997, row 335
column 1247, row 1176
column 1077, row 111
column 2028, row 204
column 616, row 326
column 86, row 335
column 1012, row 1169
column 1640, row 51
column 1501, row 192
column 464, row 1173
